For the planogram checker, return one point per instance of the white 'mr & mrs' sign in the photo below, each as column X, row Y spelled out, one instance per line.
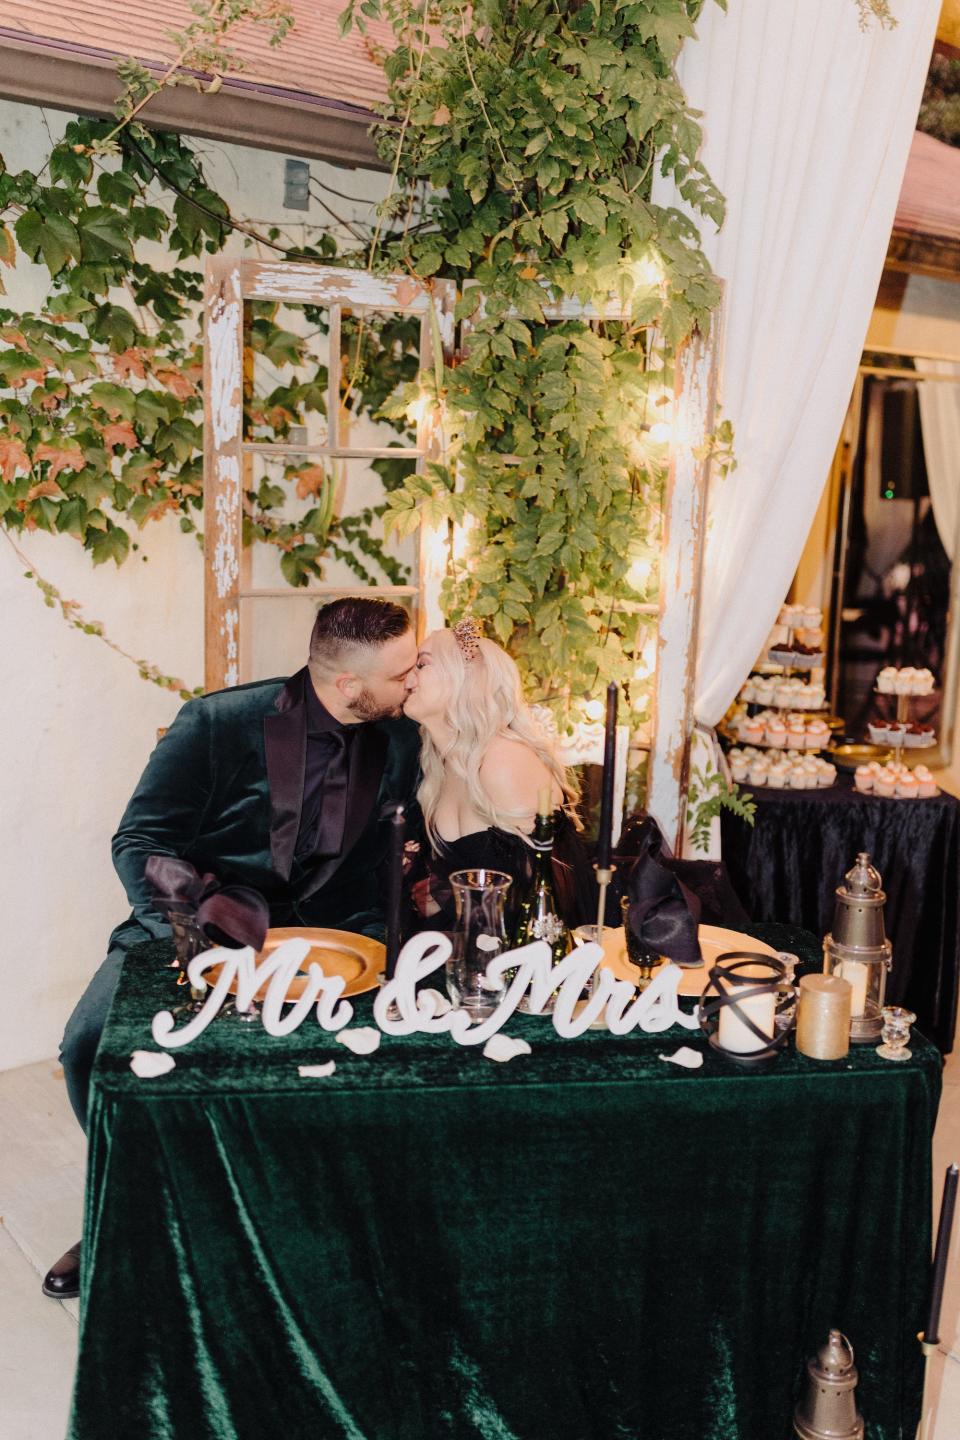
column 399, row 1010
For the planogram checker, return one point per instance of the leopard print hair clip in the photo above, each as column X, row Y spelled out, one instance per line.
column 467, row 634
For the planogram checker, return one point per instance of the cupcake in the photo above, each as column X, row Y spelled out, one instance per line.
column 784, row 695
column 896, row 733
column 764, row 690
column 904, row 680
column 908, row 787
column 826, row 773
column 887, row 680
column 740, row 768
column 777, row 774
column 797, row 733
column 818, row 733
column 799, row 779
column 776, row 734
column 748, row 691
column 759, row 770
column 812, row 618
column 863, row 779
column 879, row 734
column 816, row 696
column 884, row 783
column 922, row 683
column 752, row 730
column 927, row 789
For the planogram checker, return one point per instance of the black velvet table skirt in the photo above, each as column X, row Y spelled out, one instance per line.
column 586, row 1243
column 788, row 866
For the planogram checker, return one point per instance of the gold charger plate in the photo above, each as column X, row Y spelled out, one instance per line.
column 848, row 757
column 714, row 941
column 358, row 958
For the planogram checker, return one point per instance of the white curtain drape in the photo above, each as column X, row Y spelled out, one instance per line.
column 808, row 122
column 940, row 423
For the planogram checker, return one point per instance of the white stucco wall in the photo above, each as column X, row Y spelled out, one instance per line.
column 76, row 720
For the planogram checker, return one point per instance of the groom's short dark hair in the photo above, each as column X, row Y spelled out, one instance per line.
column 355, row 620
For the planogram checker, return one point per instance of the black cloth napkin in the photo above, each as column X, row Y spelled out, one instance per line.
column 663, row 913
column 232, row 915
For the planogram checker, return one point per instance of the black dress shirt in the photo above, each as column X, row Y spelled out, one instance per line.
column 325, row 779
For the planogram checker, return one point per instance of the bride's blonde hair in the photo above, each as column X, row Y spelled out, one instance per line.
column 485, row 700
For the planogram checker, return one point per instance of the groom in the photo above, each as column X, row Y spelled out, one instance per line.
column 281, row 786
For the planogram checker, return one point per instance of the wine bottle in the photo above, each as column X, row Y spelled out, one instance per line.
column 539, row 916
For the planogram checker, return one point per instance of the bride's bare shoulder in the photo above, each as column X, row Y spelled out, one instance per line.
column 512, row 774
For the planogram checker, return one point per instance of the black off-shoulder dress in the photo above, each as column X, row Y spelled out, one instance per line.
column 429, row 895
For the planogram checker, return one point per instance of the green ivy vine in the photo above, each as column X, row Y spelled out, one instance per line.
column 536, row 130
column 100, row 388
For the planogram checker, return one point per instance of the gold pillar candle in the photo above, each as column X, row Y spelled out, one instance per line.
column 823, row 1017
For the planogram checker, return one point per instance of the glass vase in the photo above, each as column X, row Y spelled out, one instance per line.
column 479, row 936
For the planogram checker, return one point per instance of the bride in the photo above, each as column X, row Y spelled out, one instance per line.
column 484, row 763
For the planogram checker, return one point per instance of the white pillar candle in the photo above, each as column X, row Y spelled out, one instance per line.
column 858, row 975
column 733, row 1033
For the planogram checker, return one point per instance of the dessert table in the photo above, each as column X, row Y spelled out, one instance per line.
column 581, row 1244
column 789, row 864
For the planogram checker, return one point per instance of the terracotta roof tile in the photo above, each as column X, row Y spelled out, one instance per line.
column 312, row 60
column 929, row 201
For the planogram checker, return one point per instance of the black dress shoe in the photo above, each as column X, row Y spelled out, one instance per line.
column 62, row 1280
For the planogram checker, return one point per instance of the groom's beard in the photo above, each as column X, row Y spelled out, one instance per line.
column 367, row 707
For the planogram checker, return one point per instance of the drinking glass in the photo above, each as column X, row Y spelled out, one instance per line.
column 188, row 941
column 479, row 936
column 645, row 959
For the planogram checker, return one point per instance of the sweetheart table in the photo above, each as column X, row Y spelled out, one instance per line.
column 585, row 1243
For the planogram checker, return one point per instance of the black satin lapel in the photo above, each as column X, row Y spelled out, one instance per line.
column 366, row 771
column 285, row 742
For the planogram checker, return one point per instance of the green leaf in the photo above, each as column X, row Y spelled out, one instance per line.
column 52, row 238
column 69, row 167
column 116, row 187
column 102, row 236
column 110, row 544
column 555, row 223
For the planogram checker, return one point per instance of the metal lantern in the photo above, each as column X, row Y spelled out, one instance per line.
column 857, row 949
column 828, row 1406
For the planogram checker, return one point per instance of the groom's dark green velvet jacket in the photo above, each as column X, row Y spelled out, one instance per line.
column 223, row 789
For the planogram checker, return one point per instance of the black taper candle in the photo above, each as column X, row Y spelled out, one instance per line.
column 931, row 1333
column 398, row 826
column 605, row 835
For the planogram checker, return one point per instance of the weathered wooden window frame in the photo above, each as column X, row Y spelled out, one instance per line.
column 228, row 455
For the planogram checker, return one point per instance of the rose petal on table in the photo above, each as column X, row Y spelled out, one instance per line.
column 689, row 1059
column 440, row 1002
column 316, row 1072
column 362, row 1039
column 148, row 1064
column 504, row 1047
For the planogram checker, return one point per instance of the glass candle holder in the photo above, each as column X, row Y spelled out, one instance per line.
column 602, row 936
column 896, row 1032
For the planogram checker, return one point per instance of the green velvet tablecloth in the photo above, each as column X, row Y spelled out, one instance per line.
column 583, row 1244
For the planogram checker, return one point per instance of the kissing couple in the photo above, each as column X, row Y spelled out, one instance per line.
column 287, row 787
